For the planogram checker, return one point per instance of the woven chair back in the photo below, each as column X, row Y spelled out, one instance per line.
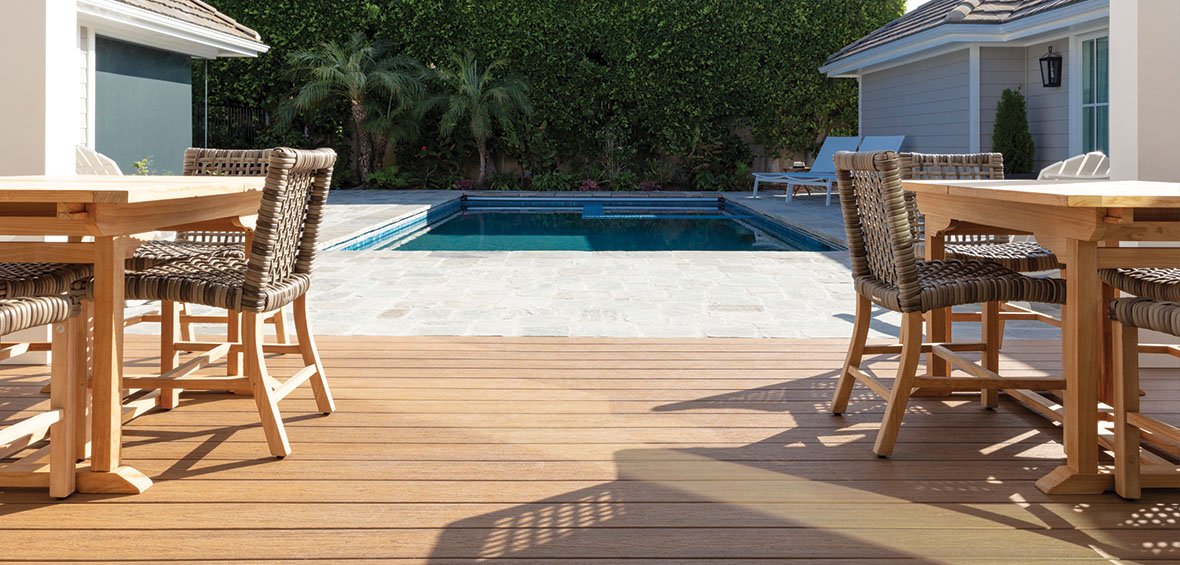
column 226, row 162
column 949, row 166
column 288, row 226
column 200, row 161
column 877, row 223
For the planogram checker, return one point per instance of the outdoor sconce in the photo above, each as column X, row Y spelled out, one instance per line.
column 1051, row 69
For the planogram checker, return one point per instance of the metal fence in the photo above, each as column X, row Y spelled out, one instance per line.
column 229, row 127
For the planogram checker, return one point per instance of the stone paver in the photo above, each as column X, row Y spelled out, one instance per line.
column 587, row 294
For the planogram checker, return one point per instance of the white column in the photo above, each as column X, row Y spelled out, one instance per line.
column 39, row 98
column 1144, row 89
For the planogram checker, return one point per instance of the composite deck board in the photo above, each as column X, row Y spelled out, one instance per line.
column 539, row 450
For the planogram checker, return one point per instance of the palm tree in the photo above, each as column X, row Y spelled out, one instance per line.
column 357, row 70
column 479, row 98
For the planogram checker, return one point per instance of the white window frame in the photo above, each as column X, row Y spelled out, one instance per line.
column 1076, row 78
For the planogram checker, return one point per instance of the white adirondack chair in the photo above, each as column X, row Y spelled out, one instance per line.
column 91, row 162
column 1090, row 166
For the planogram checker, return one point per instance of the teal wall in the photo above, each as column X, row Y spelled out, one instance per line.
column 143, row 100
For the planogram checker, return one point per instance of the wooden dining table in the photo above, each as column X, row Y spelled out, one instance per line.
column 1083, row 222
column 103, row 219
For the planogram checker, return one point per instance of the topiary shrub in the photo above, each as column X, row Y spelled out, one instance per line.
column 1011, row 136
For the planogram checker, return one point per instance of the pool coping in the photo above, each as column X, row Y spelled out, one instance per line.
column 425, row 215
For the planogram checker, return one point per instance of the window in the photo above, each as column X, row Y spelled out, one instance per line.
column 1096, row 95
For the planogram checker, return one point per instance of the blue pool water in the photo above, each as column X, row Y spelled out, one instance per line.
column 587, row 224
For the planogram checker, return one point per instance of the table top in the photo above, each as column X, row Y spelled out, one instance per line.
column 116, row 189
column 1074, row 194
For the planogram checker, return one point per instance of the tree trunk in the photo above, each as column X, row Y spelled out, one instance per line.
column 364, row 148
column 482, row 145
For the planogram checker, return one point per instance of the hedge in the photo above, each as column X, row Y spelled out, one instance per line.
column 661, row 76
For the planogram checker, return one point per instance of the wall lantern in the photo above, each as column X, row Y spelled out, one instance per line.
column 1051, row 69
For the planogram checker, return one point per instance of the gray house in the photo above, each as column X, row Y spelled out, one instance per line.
column 936, row 74
column 112, row 75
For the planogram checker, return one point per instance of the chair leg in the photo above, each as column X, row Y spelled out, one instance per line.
column 186, row 327
column 755, row 187
column 828, row 200
column 991, row 329
column 856, row 348
column 62, row 451
column 169, row 356
column 790, row 192
column 311, row 356
column 903, row 384
column 268, row 408
column 1126, row 400
column 280, row 321
column 79, row 360
column 233, row 334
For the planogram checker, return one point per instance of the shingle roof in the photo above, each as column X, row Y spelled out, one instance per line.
column 198, row 13
column 937, row 12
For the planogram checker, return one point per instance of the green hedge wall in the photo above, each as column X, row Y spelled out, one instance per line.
column 661, row 74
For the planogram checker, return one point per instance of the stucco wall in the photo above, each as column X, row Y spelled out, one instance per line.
column 927, row 101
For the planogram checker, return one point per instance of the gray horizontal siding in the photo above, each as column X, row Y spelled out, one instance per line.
column 999, row 68
column 927, row 101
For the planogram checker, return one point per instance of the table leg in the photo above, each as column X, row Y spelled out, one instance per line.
column 1081, row 361
column 106, row 474
column 938, row 322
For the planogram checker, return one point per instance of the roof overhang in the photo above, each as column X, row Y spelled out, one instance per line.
column 938, row 39
column 114, row 19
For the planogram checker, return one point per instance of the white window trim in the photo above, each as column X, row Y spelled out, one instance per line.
column 90, row 90
column 1075, row 87
column 973, row 99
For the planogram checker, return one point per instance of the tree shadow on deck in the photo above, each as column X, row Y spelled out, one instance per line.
column 818, row 492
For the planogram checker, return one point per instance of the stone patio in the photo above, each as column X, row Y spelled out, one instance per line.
column 588, row 294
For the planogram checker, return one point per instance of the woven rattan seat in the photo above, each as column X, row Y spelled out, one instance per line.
column 944, row 284
column 1148, row 314
column 1158, row 284
column 204, row 161
column 1019, row 256
column 18, row 280
column 209, row 280
column 18, row 314
column 886, row 272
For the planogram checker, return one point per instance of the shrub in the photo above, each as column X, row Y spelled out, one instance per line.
column 503, row 181
column 1011, row 136
column 624, row 180
column 588, row 185
column 391, row 177
column 553, row 181
column 465, row 184
column 650, row 186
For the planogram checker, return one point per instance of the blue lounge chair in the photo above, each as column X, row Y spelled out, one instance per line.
column 881, row 143
column 823, row 170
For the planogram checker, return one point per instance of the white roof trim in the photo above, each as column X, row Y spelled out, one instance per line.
column 117, row 20
column 947, row 34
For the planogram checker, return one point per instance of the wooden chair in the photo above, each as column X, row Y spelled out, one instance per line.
column 886, row 273
column 198, row 162
column 67, row 408
column 276, row 273
column 1130, row 425
column 1020, row 256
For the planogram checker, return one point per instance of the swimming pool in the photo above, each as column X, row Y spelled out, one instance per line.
column 478, row 223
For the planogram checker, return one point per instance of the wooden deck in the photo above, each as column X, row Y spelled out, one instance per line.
column 541, row 450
